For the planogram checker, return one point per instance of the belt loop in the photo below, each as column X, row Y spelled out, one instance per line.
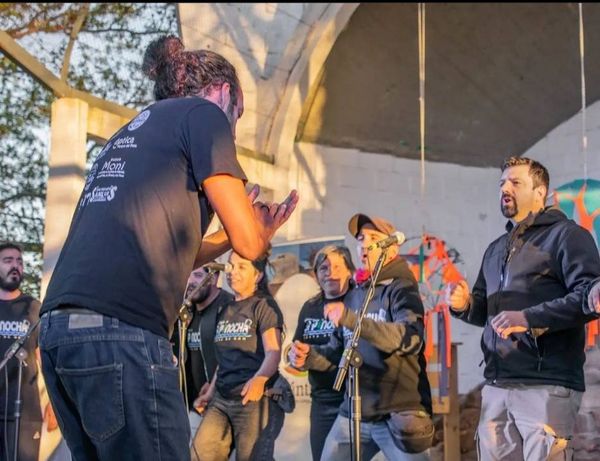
column 114, row 322
column 47, row 316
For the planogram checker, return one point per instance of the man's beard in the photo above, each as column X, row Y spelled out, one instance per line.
column 200, row 296
column 509, row 210
column 9, row 284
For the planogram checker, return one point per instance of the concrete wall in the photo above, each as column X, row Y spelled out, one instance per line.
column 279, row 51
column 460, row 205
column 560, row 150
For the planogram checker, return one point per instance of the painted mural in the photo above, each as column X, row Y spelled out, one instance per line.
column 580, row 200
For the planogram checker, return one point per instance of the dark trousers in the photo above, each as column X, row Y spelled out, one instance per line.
column 114, row 388
column 253, row 429
column 322, row 417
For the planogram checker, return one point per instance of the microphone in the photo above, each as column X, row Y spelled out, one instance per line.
column 397, row 238
column 216, row 267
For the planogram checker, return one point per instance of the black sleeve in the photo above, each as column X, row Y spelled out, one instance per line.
column 476, row 311
column 405, row 333
column 268, row 315
column 326, row 357
column 209, row 143
column 578, row 264
column 299, row 333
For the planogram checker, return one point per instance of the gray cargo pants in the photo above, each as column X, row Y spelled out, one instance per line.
column 527, row 422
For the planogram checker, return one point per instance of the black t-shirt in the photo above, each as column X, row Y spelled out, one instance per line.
column 314, row 329
column 238, row 341
column 142, row 214
column 201, row 357
column 16, row 317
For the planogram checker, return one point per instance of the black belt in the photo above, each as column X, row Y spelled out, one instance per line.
column 72, row 310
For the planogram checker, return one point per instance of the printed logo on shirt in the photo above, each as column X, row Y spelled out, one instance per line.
column 314, row 328
column 127, row 142
column 90, row 179
column 99, row 194
column 113, row 168
column 233, row 331
column 139, row 120
column 379, row 316
column 13, row 329
column 104, row 150
column 193, row 341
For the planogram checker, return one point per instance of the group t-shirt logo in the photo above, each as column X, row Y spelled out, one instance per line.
column 91, row 177
column 139, row 120
column 194, row 342
column 13, row 329
column 379, row 316
column 314, row 328
column 233, row 331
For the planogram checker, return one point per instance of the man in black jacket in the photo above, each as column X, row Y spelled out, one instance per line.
column 201, row 360
column 528, row 298
column 396, row 398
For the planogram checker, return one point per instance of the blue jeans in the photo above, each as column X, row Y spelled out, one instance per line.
column 374, row 437
column 322, row 417
column 114, row 388
column 252, row 428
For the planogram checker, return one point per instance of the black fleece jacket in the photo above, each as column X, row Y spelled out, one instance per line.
column 393, row 375
column 541, row 267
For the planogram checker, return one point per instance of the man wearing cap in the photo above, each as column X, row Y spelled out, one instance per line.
column 393, row 385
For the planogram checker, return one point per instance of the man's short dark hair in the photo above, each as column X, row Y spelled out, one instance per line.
column 537, row 171
column 10, row 246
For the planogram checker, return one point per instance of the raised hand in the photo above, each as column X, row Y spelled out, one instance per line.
column 458, row 298
column 273, row 215
column 334, row 312
column 594, row 298
column 298, row 353
column 508, row 322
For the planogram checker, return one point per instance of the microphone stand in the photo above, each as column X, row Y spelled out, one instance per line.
column 185, row 315
column 352, row 358
column 16, row 348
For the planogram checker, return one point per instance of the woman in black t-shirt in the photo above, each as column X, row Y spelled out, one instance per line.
column 333, row 268
column 248, row 346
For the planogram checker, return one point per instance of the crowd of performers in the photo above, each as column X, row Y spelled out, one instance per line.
column 108, row 316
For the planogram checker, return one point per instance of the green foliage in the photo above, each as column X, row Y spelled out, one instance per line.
column 105, row 61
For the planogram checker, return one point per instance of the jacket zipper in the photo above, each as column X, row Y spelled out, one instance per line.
column 503, row 281
column 537, row 349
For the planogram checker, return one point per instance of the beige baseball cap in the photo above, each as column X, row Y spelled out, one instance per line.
column 359, row 220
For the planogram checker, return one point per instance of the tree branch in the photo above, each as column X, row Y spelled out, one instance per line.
column 81, row 17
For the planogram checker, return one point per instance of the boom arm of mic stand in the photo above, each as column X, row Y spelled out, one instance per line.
column 350, row 356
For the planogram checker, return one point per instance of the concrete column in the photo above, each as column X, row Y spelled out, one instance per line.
column 67, row 161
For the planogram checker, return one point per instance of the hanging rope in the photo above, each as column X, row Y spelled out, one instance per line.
column 421, row 27
column 583, row 114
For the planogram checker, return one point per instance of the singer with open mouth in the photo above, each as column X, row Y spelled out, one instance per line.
column 393, row 384
column 528, row 297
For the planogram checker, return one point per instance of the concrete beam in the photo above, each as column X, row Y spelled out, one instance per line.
column 22, row 58
column 68, row 136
